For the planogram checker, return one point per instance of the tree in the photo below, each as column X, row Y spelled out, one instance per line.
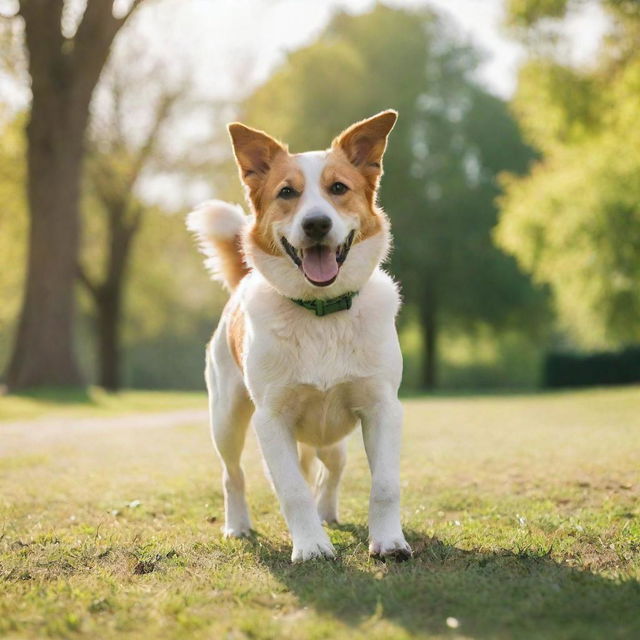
column 64, row 71
column 115, row 166
column 573, row 222
column 13, row 223
column 451, row 140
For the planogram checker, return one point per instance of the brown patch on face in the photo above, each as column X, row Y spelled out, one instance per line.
column 265, row 168
column 359, row 200
column 356, row 160
column 235, row 334
column 269, row 208
column 256, row 155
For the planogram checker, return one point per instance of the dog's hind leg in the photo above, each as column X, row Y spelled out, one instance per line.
column 230, row 410
column 333, row 459
column 308, row 462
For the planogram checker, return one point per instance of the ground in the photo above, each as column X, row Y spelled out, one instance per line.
column 522, row 510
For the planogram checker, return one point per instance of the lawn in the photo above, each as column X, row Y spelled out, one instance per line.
column 92, row 402
column 522, row 510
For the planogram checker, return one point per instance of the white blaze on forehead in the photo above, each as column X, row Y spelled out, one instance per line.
column 312, row 164
column 315, row 199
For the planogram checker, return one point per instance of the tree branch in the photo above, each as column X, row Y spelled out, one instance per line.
column 93, row 39
column 89, row 285
column 133, row 225
column 45, row 44
column 166, row 103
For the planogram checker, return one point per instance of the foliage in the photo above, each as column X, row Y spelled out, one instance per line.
column 13, row 229
column 574, row 221
column 172, row 308
column 522, row 527
column 592, row 369
column 170, row 304
column 451, row 140
column 124, row 147
column 528, row 12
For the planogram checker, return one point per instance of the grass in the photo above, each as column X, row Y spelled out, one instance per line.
column 523, row 512
column 94, row 401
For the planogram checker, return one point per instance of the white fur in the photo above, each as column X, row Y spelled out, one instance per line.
column 216, row 220
column 312, row 380
column 314, row 199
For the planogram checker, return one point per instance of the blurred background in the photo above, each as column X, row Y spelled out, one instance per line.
column 512, row 179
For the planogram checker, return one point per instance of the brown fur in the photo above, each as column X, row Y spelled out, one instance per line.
column 359, row 200
column 232, row 263
column 235, row 333
column 268, row 207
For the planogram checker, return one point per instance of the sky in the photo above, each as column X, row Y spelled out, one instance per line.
column 229, row 46
column 233, row 44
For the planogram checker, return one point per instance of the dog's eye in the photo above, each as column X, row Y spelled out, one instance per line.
column 338, row 188
column 286, row 193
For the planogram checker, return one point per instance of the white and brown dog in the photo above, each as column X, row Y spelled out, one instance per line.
column 307, row 343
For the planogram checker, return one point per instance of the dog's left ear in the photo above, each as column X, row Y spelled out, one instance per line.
column 364, row 143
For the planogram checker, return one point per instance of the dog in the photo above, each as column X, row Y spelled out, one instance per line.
column 306, row 348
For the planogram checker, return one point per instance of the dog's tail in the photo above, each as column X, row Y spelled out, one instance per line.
column 219, row 226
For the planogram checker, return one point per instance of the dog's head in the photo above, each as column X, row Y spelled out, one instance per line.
column 317, row 229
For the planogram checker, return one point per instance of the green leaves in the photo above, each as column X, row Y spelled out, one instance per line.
column 574, row 221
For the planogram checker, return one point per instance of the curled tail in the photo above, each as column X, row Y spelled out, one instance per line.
column 218, row 226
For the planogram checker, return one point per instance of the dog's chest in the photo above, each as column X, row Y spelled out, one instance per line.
column 321, row 353
column 318, row 418
column 318, row 372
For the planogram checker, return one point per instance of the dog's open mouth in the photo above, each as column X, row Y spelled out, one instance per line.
column 319, row 263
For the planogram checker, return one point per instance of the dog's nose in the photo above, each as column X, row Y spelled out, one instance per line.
column 316, row 226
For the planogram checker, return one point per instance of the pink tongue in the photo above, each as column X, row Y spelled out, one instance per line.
column 319, row 264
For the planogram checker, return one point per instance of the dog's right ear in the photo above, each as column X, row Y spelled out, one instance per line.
column 255, row 152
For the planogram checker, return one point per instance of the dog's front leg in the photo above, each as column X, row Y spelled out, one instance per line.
column 381, row 429
column 296, row 501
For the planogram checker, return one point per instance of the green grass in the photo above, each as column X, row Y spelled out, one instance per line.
column 523, row 512
column 93, row 401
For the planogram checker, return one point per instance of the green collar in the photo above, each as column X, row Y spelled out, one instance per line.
column 325, row 307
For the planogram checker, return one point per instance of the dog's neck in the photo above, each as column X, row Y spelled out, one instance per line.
column 327, row 307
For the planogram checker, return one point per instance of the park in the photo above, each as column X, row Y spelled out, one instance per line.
column 511, row 183
column 522, row 511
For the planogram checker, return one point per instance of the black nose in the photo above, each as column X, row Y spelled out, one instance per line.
column 316, row 226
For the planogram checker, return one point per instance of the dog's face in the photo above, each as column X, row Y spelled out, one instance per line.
column 317, row 231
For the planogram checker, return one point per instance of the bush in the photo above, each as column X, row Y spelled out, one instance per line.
column 584, row 370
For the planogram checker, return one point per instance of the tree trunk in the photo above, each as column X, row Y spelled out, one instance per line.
column 428, row 317
column 44, row 351
column 64, row 72
column 108, row 294
column 109, row 309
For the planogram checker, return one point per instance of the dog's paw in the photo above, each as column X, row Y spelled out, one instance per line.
column 310, row 550
column 394, row 548
column 240, row 531
column 328, row 513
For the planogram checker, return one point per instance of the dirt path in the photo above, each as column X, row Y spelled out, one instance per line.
column 27, row 435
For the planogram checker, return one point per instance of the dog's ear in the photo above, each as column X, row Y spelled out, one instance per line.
column 255, row 152
column 364, row 143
